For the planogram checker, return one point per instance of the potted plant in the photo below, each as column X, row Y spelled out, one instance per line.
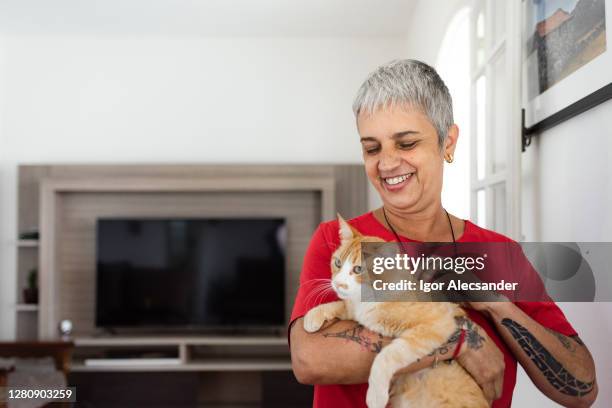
column 30, row 294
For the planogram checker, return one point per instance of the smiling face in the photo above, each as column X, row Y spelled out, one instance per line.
column 402, row 156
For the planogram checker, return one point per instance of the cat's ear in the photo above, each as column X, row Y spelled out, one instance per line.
column 346, row 231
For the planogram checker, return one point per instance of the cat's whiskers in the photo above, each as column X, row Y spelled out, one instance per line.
column 320, row 289
column 324, row 293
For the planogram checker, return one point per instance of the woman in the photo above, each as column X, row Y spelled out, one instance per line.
column 404, row 118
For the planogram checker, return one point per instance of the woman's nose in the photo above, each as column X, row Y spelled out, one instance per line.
column 388, row 161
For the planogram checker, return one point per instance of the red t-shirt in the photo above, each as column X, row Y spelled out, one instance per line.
column 317, row 265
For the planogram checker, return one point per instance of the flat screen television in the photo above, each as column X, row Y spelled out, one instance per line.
column 197, row 274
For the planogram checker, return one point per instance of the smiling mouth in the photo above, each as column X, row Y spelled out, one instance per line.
column 393, row 181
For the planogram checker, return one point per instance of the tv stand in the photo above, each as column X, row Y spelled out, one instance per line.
column 212, row 371
column 192, row 353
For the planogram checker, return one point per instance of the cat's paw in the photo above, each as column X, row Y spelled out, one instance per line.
column 313, row 321
column 377, row 397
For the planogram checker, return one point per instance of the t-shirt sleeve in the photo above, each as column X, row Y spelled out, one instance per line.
column 315, row 278
column 533, row 299
column 549, row 315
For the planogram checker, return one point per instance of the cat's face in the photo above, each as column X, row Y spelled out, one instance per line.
column 346, row 263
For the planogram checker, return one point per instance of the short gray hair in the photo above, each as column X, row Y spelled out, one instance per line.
column 408, row 82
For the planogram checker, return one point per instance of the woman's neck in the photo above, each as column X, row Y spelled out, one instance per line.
column 429, row 225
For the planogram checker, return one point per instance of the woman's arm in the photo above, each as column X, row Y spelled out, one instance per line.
column 339, row 353
column 560, row 366
column 342, row 352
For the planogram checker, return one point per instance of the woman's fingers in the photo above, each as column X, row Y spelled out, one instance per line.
column 499, row 386
column 489, row 392
column 484, row 362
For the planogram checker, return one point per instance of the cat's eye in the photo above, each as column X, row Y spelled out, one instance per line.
column 337, row 262
column 357, row 270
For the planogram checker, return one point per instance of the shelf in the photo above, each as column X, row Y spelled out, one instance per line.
column 27, row 243
column 228, row 364
column 121, row 341
column 26, row 307
column 185, row 350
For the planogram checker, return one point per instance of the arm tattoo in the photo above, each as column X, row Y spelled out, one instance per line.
column 555, row 373
column 472, row 338
column 577, row 339
column 562, row 339
column 356, row 334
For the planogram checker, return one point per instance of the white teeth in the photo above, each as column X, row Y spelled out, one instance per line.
column 397, row 180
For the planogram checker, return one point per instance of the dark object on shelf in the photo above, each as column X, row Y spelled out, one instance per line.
column 198, row 274
column 30, row 294
column 29, row 235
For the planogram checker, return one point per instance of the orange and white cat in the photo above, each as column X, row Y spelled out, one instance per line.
column 417, row 329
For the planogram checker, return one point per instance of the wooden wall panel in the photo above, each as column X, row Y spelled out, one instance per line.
column 66, row 254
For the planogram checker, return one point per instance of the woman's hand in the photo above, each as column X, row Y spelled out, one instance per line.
column 482, row 359
column 479, row 356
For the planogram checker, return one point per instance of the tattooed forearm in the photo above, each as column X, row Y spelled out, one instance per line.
column 553, row 370
column 472, row 338
column 356, row 334
column 563, row 340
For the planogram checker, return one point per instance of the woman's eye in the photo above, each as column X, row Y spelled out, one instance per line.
column 407, row 145
column 372, row 150
column 337, row 262
column 357, row 270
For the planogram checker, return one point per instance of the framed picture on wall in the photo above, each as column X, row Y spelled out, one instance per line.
column 567, row 59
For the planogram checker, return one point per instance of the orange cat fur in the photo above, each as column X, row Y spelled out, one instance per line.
column 418, row 328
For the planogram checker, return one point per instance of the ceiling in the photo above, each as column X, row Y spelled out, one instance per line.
column 217, row 18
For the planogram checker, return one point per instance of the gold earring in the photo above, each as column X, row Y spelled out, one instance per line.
column 448, row 157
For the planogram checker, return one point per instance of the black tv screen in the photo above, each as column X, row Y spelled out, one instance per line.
column 190, row 273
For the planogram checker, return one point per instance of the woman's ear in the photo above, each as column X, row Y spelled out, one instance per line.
column 451, row 140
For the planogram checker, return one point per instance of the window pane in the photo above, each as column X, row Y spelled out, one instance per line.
column 500, row 109
column 498, row 13
column 499, row 205
column 481, row 209
column 481, row 94
column 480, row 39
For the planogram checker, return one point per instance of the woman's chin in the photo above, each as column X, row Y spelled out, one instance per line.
column 395, row 200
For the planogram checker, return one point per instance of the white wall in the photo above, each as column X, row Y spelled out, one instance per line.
column 137, row 99
column 566, row 195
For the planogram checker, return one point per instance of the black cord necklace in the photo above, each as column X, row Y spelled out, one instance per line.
column 450, row 224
